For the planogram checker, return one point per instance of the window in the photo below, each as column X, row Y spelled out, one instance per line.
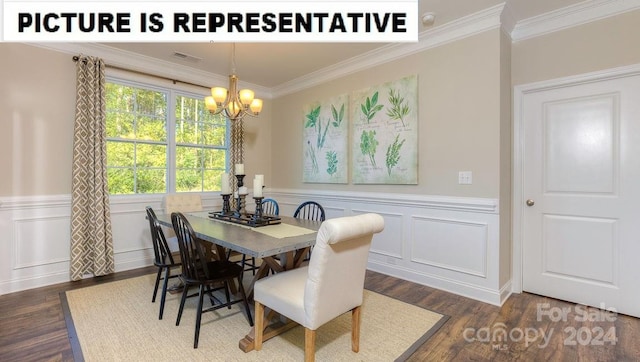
column 160, row 140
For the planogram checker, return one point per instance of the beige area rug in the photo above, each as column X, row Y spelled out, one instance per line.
column 116, row 321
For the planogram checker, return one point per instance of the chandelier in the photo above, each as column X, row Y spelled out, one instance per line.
column 234, row 103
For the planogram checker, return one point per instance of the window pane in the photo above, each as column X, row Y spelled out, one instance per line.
column 188, row 157
column 151, row 155
column 119, row 125
column 151, row 128
column 120, row 181
column 186, row 108
column 212, row 180
column 120, row 154
column 147, row 99
column 187, row 132
column 151, row 181
column 213, row 134
column 120, row 97
column 188, row 180
column 214, row 159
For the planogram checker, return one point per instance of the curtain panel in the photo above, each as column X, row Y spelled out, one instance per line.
column 91, row 234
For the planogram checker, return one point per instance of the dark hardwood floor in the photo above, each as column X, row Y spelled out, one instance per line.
column 526, row 328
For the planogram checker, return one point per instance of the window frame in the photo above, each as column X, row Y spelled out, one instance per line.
column 172, row 92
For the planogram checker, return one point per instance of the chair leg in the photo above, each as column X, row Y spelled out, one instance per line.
column 258, row 328
column 155, row 289
column 163, row 297
column 227, row 294
column 182, row 300
column 198, row 316
column 355, row 329
column 309, row 345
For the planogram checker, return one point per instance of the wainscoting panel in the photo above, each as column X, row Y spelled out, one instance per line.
column 447, row 243
column 28, row 236
column 393, row 230
column 434, row 239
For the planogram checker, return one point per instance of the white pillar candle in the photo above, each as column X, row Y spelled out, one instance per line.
column 261, row 178
column 239, row 168
column 257, row 187
column 243, row 190
column 224, row 184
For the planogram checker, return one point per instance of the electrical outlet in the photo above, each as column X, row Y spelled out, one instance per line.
column 465, row 178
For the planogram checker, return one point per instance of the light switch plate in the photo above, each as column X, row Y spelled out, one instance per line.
column 465, row 178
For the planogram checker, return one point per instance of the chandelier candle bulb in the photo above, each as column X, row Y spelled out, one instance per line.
column 246, row 96
column 239, row 168
column 256, row 106
column 219, row 94
column 257, row 187
column 210, row 103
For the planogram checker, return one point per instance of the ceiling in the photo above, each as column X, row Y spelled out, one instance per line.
column 272, row 64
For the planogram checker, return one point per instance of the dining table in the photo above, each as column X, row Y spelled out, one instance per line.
column 281, row 246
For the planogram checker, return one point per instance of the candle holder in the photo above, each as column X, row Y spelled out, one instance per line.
column 257, row 216
column 239, row 204
column 226, row 205
column 240, row 211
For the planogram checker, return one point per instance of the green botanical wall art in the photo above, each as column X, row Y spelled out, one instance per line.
column 384, row 141
column 325, row 136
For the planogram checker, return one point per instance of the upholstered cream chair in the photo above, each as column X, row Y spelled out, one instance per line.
column 331, row 285
column 182, row 202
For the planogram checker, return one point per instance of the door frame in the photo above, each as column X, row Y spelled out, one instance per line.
column 518, row 197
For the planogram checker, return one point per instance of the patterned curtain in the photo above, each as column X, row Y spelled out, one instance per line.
column 91, row 237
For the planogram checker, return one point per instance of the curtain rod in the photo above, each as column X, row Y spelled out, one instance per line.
column 76, row 58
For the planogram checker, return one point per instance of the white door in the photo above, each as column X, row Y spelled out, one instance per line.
column 581, row 189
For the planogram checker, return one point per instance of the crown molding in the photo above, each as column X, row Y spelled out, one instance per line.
column 570, row 16
column 507, row 19
column 498, row 16
column 149, row 65
column 461, row 28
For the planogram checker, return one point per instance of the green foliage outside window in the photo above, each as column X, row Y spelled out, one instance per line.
column 138, row 143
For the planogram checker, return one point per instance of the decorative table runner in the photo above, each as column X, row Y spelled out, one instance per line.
column 281, row 231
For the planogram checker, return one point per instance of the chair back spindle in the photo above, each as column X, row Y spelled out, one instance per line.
column 310, row 210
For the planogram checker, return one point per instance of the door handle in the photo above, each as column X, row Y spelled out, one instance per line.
column 530, row 202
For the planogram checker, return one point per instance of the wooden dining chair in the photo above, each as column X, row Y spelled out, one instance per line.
column 205, row 274
column 331, row 285
column 270, row 207
column 310, row 210
column 164, row 259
